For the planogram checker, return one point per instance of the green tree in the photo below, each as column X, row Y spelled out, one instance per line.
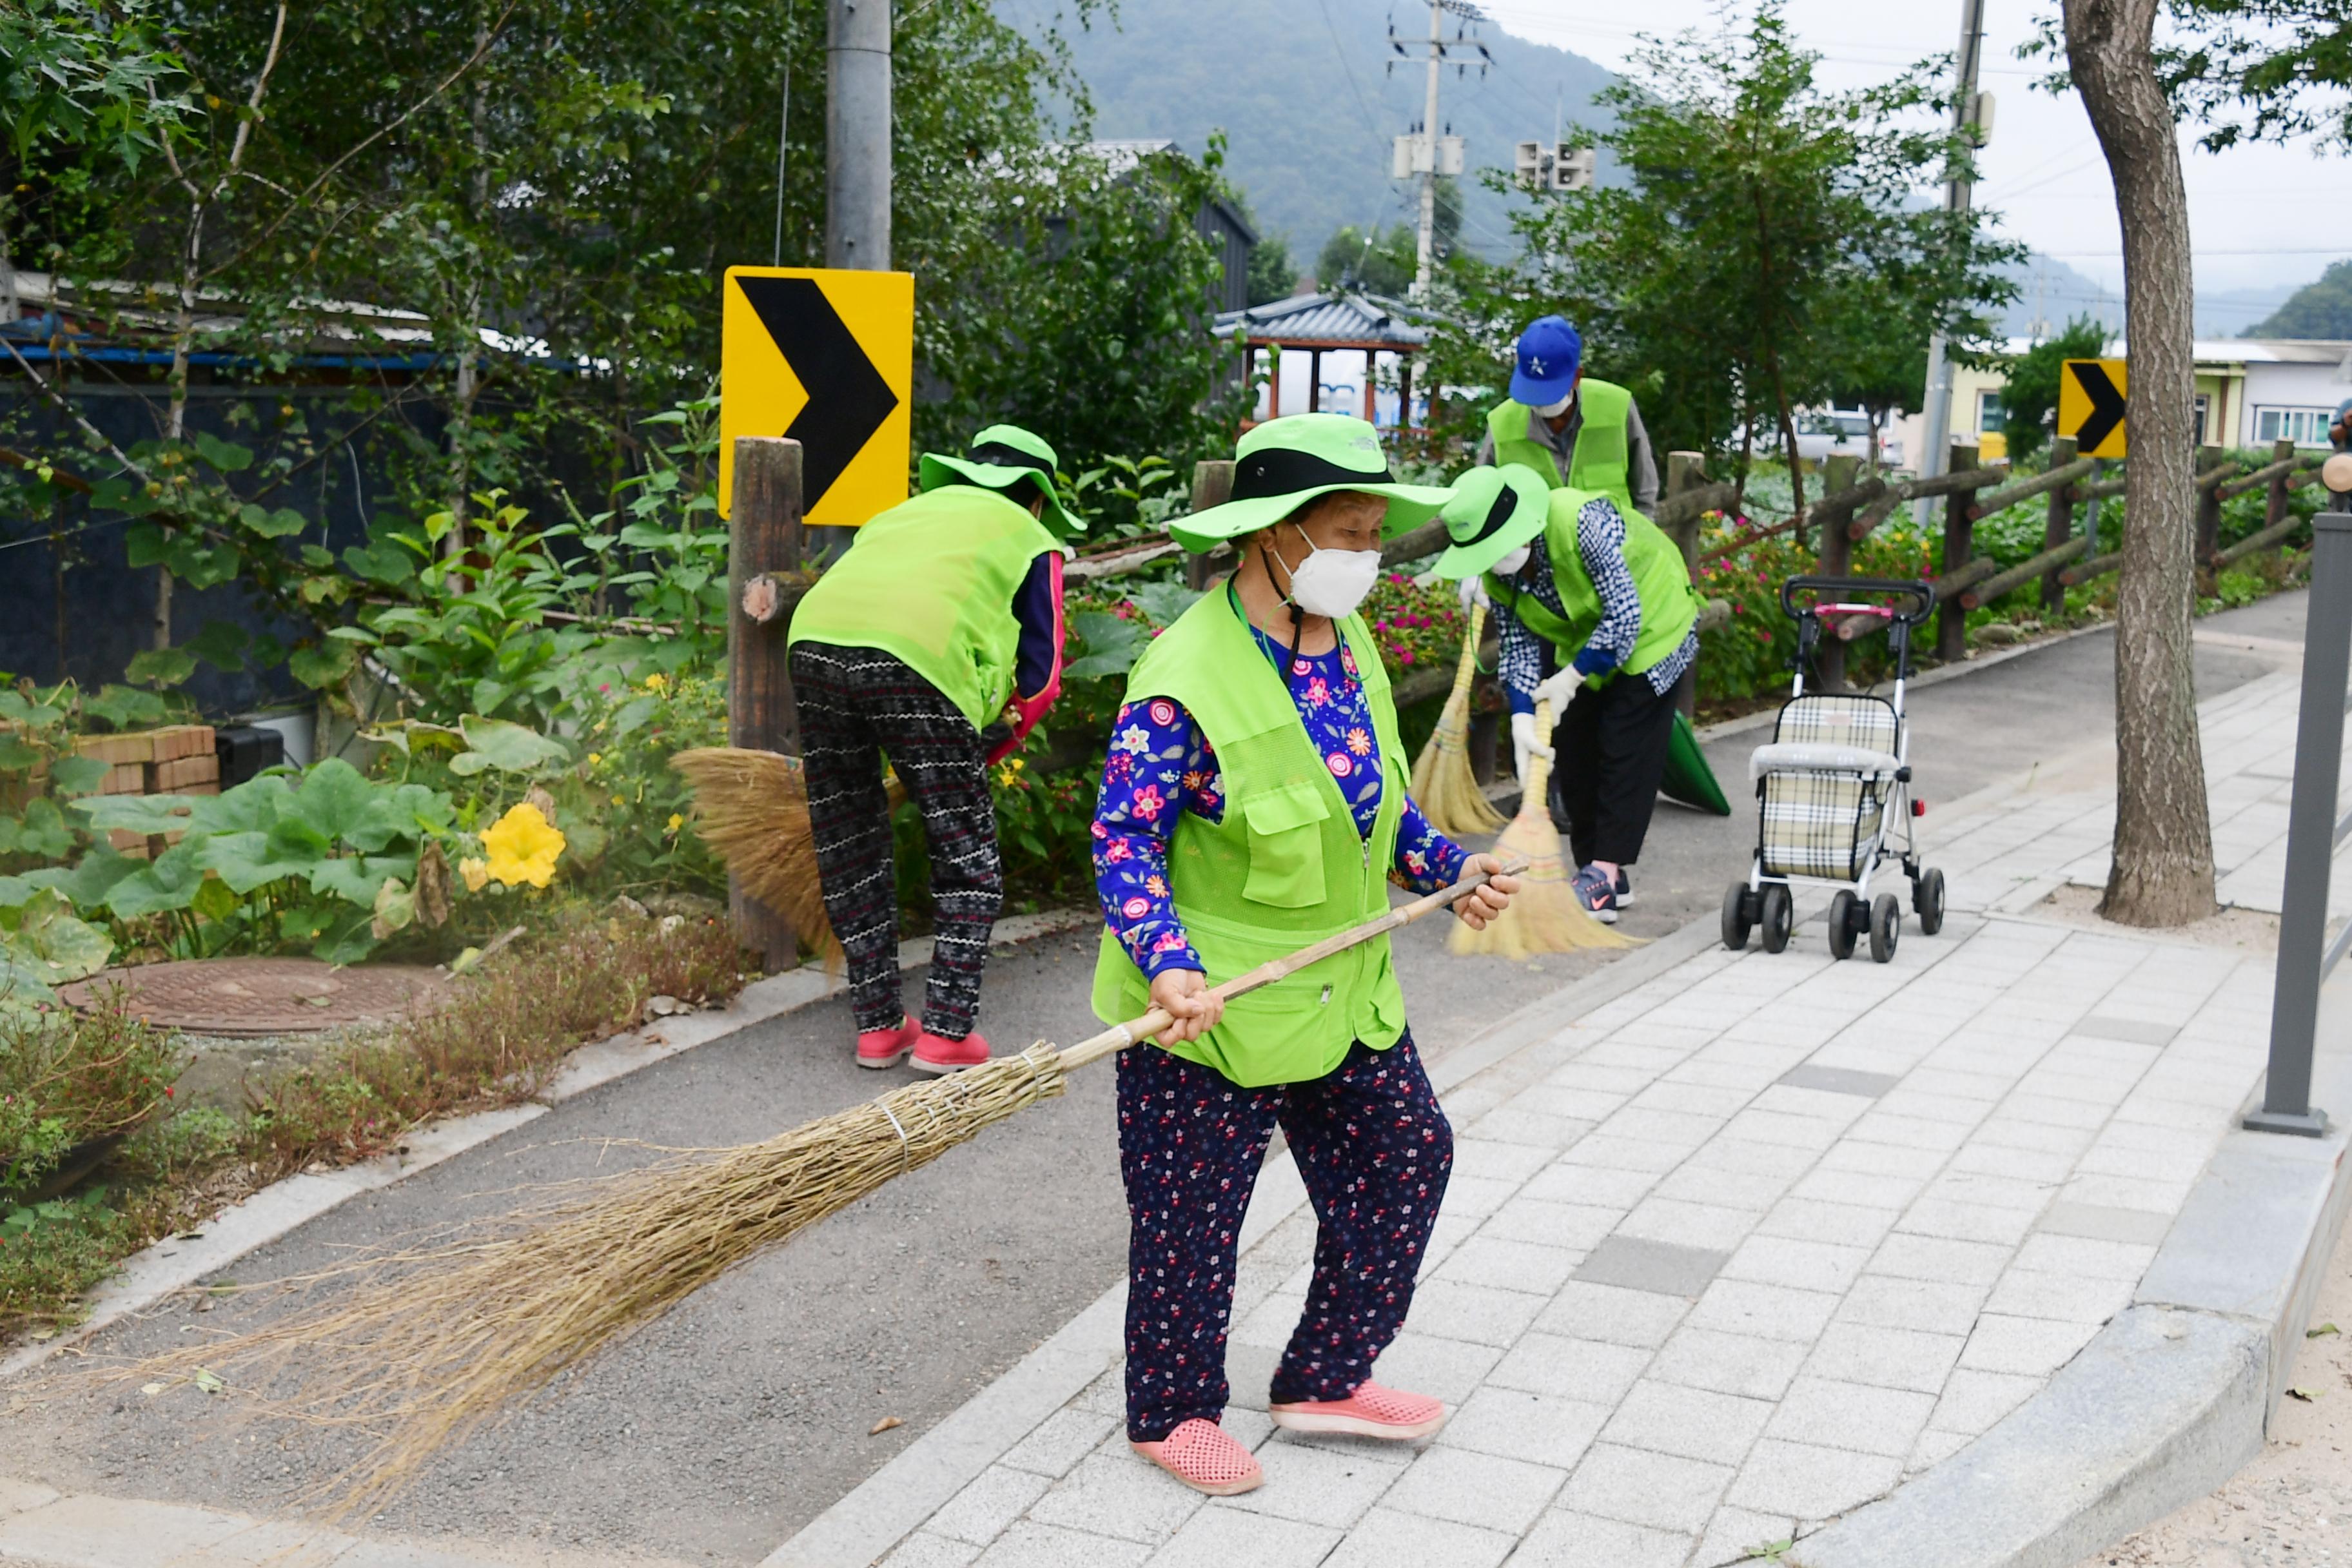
column 1768, row 247
column 2031, row 397
column 2320, row 308
column 1384, row 261
column 1273, row 275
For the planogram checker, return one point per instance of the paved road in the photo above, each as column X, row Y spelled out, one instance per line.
column 715, row 1433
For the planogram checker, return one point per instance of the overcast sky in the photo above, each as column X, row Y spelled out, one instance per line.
column 2260, row 217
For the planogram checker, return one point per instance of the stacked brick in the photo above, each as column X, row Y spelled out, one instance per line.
column 177, row 759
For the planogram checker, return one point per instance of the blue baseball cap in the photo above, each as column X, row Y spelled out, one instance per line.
column 1549, row 351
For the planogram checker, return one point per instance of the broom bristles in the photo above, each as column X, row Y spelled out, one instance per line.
column 1545, row 915
column 459, row 1333
column 752, row 807
column 1443, row 785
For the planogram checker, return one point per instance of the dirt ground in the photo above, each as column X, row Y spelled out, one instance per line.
column 2293, row 1505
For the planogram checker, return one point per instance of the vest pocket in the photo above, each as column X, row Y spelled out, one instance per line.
column 1285, row 846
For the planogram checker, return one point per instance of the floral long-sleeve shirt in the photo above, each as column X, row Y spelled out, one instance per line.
column 1161, row 765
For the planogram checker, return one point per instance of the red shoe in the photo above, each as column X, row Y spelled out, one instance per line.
column 887, row 1047
column 1370, row 1412
column 1206, row 1458
column 935, row 1055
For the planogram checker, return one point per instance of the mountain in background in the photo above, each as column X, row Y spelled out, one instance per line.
column 2322, row 309
column 1309, row 113
column 1309, row 110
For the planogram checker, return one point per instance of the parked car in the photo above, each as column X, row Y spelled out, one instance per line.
column 1844, row 433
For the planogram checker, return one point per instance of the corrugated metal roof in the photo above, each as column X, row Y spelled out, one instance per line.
column 1310, row 318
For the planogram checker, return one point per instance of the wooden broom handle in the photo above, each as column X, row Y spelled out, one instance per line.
column 1120, row 1037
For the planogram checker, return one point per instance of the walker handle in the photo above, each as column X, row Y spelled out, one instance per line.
column 1922, row 595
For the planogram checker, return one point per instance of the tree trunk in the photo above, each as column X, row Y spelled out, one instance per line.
column 2163, row 872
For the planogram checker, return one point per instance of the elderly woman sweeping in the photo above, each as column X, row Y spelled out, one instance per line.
column 1254, row 802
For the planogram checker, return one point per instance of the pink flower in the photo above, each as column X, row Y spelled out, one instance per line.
column 1168, row 942
column 1136, row 909
column 1318, row 691
column 1404, row 655
column 1099, row 831
column 1340, row 764
column 1148, row 803
column 1116, row 851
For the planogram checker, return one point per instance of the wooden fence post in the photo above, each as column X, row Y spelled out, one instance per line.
column 2061, row 526
column 2208, row 511
column 763, row 564
column 1213, row 485
column 1685, row 471
column 1959, row 548
column 2274, row 506
column 1836, row 559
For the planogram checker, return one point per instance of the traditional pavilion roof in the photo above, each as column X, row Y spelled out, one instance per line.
column 1338, row 319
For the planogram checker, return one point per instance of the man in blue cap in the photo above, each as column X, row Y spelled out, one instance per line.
column 1577, row 432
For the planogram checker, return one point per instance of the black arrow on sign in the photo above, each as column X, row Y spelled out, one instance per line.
column 2106, row 405
column 848, row 398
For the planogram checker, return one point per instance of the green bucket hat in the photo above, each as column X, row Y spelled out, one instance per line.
column 1000, row 456
column 1285, row 463
column 1493, row 512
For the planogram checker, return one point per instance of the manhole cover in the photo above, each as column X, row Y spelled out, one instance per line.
column 260, row 995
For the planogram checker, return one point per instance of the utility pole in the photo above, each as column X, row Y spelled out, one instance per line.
column 1958, row 191
column 858, row 134
column 1423, row 152
column 1426, row 250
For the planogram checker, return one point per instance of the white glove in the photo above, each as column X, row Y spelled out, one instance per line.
column 1473, row 592
column 1558, row 689
column 1526, row 743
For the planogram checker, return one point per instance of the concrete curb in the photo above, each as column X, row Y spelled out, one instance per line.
column 245, row 1227
column 2168, row 1401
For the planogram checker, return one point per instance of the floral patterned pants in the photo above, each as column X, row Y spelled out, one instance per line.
column 1374, row 1150
column 857, row 703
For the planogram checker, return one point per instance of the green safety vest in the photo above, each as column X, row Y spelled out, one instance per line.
column 932, row 581
column 1602, row 455
column 1669, row 604
column 1284, row 868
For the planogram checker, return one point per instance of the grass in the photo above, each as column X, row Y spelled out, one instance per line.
column 68, row 1078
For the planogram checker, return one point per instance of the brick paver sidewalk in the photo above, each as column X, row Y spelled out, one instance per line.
column 1739, row 1250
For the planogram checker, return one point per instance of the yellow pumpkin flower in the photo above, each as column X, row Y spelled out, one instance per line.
column 676, row 822
column 475, row 870
column 656, row 682
column 522, row 846
column 594, row 759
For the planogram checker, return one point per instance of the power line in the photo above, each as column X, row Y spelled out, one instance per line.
column 1361, row 106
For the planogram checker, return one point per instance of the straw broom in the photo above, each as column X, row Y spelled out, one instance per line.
column 751, row 808
column 460, row 1332
column 1544, row 916
column 1443, row 785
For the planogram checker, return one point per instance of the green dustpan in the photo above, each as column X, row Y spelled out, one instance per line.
column 1688, row 778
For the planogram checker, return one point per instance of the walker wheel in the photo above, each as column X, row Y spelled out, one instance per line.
column 1777, row 912
column 1738, row 916
column 1885, row 927
column 1927, row 900
column 1843, row 909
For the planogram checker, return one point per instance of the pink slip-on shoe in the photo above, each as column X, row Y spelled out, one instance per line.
column 1206, row 1458
column 934, row 1055
column 887, row 1047
column 1370, row 1412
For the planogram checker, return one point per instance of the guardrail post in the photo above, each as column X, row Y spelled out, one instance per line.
column 1959, row 548
column 763, row 563
column 1685, row 471
column 2303, row 958
column 1836, row 560
column 1213, row 485
column 2274, row 503
column 2208, row 511
column 2060, row 528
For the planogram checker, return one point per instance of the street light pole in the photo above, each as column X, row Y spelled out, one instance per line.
column 1957, row 191
column 858, row 134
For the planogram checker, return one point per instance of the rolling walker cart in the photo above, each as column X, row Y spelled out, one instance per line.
column 1834, row 785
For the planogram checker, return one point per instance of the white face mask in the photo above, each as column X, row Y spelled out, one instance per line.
column 1509, row 563
column 1331, row 582
column 1554, row 410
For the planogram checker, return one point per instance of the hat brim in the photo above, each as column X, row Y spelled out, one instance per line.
column 1535, row 393
column 1410, row 506
column 937, row 469
column 1462, row 561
